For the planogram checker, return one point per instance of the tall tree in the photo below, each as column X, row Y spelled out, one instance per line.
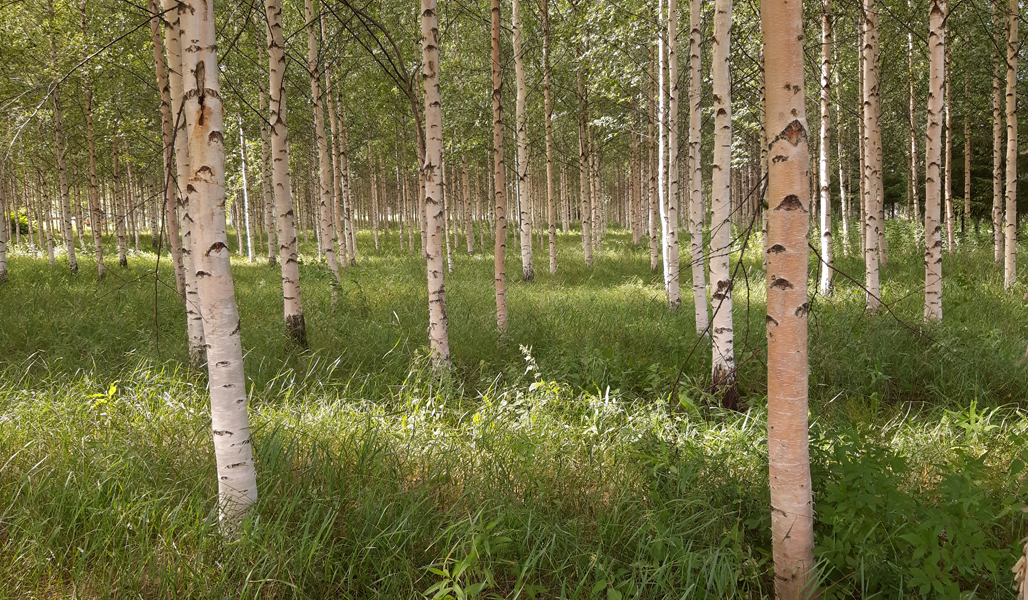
column 997, row 144
column 95, row 215
column 167, row 140
column 285, row 218
column 173, row 44
column 697, row 212
column 499, row 173
column 438, row 335
column 827, row 269
column 722, row 330
column 237, row 478
column 548, row 116
column 871, row 174
column 671, row 209
column 792, row 507
column 933, row 156
column 521, row 125
column 326, row 204
column 1010, row 243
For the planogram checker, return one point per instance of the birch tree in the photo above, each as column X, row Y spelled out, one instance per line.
column 499, row 173
column 933, row 157
column 697, row 213
column 237, row 478
column 792, row 510
column 1010, row 241
column 285, row 218
column 827, row 269
column 722, row 330
column 870, row 175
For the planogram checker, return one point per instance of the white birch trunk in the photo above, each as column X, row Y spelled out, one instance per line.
column 237, row 479
column 722, row 330
column 933, row 157
column 697, row 212
column 285, row 218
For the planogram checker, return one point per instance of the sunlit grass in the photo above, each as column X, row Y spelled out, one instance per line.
column 550, row 463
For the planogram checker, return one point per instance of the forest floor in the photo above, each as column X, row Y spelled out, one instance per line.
column 560, row 461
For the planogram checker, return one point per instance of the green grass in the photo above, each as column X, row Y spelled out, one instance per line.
column 550, row 464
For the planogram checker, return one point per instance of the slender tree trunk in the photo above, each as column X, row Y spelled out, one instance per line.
column 827, row 271
column 1010, row 243
column 337, row 183
column 792, row 514
column 246, row 192
column 499, row 170
column 521, row 119
column 347, row 199
column 651, row 144
column 469, row 230
column 285, row 219
column 967, row 158
column 438, row 335
column 118, row 204
column 662, row 148
column 551, row 214
column 326, row 204
column 871, row 190
column 444, row 187
column 62, row 177
column 697, row 212
column 269, row 199
column 933, row 157
column 912, row 125
column 173, row 45
column 948, row 133
column 671, row 242
column 237, row 479
column 583, row 156
column 722, row 331
column 843, row 188
column 997, row 147
column 94, row 186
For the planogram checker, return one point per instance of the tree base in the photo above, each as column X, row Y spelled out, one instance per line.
column 725, row 388
column 297, row 328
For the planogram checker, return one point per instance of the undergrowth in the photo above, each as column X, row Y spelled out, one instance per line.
column 558, row 462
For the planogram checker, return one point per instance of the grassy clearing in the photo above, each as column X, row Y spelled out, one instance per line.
column 549, row 465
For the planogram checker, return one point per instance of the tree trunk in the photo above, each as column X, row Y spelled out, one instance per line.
column 246, row 192
column 948, row 132
column 438, row 335
column 118, row 204
column 654, row 208
column 933, row 156
column 551, row 214
column 62, row 178
column 697, row 213
column 269, row 199
column 722, row 332
column 671, row 240
column 237, row 479
column 792, row 514
column 966, row 214
column 94, row 186
column 827, row 272
column 997, row 148
column 176, row 85
column 326, row 204
column 285, row 218
column 499, row 170
column 1010, row 243
column 871, row 177
column 843, row 188
column 915, row 201
column 521, row 126
column 583, row 151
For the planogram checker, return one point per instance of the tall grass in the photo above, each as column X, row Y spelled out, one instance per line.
column 550, row 464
